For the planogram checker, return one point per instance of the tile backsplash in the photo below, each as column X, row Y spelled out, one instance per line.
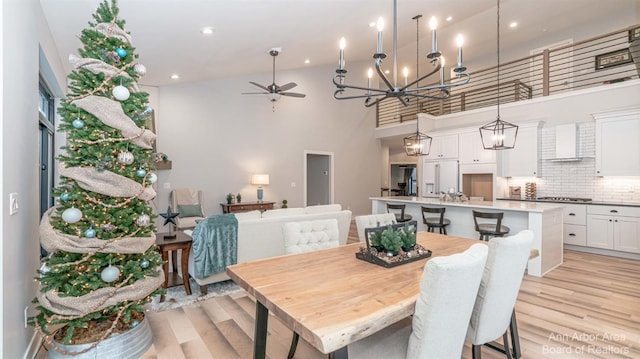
column 577, row 178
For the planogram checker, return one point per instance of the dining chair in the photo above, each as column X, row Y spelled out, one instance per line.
column 435, row 222
column 448, row 289
column 307, row 236
column 494, row 310
column 373, row 220
column 398, row 210
column 492, row 228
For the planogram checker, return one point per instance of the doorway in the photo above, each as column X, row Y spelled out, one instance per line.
column 318, row 173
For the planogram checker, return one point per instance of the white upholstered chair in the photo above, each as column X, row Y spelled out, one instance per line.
column 493, row 313
column 373, row 220
column 307, row 236
column 190, row 204
column 448, row 289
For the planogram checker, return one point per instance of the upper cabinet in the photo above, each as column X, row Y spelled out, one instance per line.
column 471, row 150
column 524, row 159
column 443, row 147
column 617, row 145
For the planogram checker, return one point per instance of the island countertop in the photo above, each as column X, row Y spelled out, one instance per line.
column 523, row 206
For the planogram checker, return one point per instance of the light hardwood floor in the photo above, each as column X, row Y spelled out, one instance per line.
column 587, row 308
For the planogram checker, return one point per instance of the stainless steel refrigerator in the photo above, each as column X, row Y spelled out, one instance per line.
column 440, row 176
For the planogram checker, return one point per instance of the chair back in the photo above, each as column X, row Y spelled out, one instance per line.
column 373, row 220
column 439, row 210
column 189, row 203
column 448, row 289
column 497, row 216
column 392, row 208
column 307, row 236
column 508, row 258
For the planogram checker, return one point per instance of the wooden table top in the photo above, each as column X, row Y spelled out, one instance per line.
column 331, row 298
column 181, row 237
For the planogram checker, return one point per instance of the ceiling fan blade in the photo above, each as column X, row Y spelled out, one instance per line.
column 288, row 86
column 292, row 94
column 254, row 93
column 257, row 84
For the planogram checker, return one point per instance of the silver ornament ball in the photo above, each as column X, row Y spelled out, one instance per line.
column 121, row 93
column 110, row 274
column 71, row 215
column 143, row 220
column 126, row 157
column 140, row 69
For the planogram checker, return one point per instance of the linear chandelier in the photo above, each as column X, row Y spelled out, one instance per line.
column 374, row 95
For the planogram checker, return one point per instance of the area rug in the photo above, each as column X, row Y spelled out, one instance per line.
column 177, row 297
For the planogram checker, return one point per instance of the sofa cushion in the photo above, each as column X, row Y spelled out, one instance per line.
column 306, row 236
column 323, row 208
column 283, row 212
column 241, row 216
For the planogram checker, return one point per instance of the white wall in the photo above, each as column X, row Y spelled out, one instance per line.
column 20, row 246
column 216, row 138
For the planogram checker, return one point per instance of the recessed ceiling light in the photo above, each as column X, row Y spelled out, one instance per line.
column 513, row 25
column 449, row 18
column 307, row 61
column 175, row 76
column 207, row 31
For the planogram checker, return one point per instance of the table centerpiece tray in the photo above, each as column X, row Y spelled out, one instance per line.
column 382, row 258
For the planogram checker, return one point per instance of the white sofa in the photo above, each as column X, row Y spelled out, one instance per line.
column 260, row 235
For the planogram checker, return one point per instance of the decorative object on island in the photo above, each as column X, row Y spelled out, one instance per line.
column 169, row 217
column 401, row 93
column 260, row 180
column 102, row 264
column 229, row 198
column 418, row 144
column 392, row 245
column 498, row 135
column 285, row 203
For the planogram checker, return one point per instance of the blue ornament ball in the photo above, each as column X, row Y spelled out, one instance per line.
column 77, row 123
column 110, row 274
column 134, row 323
column 141, row 172
column 64, row 197
column 144, row 263
column 121, row 52
column 90, row 233
column 148, row 109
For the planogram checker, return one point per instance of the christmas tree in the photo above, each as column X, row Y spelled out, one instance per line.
column 102, row 265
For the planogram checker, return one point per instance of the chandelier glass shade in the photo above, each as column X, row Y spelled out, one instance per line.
column 373, row 95
column 498, row 135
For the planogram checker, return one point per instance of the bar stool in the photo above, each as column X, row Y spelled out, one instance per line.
column 435, row 222
column 400, row 217
column 487, row 230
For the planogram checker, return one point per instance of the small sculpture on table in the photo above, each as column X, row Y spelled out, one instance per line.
column 170, row 217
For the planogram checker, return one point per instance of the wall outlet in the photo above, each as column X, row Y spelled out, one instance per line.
column 13, row 203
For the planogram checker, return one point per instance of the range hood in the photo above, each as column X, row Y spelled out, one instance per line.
column 567, row 144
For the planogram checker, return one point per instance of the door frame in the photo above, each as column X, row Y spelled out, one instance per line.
column 331, row 175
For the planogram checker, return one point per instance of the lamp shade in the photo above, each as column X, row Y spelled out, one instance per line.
column 260, row 179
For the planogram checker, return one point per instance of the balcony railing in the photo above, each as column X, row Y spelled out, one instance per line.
column 599, row 61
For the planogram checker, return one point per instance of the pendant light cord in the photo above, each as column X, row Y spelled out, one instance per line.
column 417, row 18
column 498, row 56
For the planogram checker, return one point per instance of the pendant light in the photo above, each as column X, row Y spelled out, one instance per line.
column 417, row 144
column 498, row 135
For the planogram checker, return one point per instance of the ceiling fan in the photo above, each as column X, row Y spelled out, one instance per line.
column 274, row 91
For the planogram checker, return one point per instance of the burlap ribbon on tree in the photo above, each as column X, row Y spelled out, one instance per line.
column 110, row 29
column 110, row 113
column 54, row 241
column 107, row 183
column 100, row 298
column 98, row 66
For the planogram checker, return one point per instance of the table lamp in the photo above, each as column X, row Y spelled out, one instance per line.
column 260, row 179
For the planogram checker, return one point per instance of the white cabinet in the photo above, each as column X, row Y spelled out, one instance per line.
column 617, row 145
column 443, row 147
column 613, row 227
column 575, row 224
column 471, row 150
column 523, row 160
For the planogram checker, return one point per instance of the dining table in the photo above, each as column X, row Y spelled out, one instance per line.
column 330, row 297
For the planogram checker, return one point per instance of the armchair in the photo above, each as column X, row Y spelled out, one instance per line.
column 190, row 204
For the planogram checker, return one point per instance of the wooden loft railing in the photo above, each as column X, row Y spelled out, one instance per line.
column 599, row 61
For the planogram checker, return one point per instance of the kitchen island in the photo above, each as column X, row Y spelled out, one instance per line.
column 544, row 219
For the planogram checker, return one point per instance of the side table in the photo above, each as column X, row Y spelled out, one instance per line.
column 181, row 242
column 246, row 206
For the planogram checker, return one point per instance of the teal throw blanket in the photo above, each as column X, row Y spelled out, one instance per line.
column 215, row 244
